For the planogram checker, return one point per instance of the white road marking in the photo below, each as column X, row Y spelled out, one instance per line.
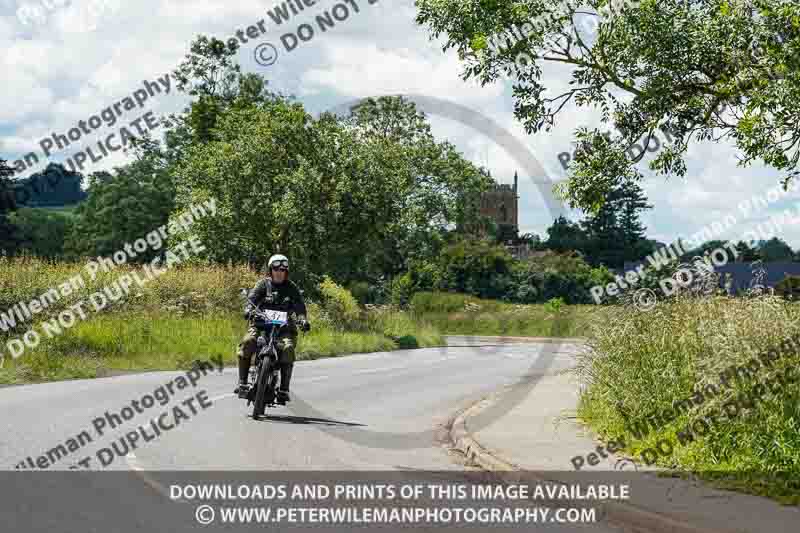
column 221, row 396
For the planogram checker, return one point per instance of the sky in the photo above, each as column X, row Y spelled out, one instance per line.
column 66, row 60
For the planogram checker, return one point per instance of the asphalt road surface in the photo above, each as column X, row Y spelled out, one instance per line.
column 374, row 412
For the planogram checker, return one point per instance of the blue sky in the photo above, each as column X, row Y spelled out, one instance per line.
column 84, row 55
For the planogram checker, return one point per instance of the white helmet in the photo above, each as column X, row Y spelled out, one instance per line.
column 281, row 260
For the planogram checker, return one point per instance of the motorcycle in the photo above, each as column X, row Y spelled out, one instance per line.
column 264, row 377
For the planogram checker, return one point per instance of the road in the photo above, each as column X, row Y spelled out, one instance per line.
column 383, row 412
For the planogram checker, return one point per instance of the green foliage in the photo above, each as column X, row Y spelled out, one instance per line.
column 402, row 289
column 775, row 249
column 746, row 253
column 550, row 275
column 55, row 186
column 361, row 291
column 41, row 232
column 318, row 190
column 8, row 244
column 475, row 267
column 554, row 305
column 789, row 288
column 121, row 209
column 439, row 302
column 460, row 314
column 641, row 363
column 184, row 314
column 692, row 68
column 611, row 235
column 339, row 304
column 565, row 236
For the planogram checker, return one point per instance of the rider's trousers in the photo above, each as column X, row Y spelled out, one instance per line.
column 285, row 344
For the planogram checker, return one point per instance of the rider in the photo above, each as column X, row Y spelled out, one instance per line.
column 277, row 293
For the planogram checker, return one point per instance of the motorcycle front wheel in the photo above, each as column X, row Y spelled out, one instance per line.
column 262, row 384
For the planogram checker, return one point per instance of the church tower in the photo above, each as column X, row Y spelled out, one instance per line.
column 500, row 203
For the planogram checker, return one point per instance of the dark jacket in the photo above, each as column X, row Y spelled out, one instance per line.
column 276, row 297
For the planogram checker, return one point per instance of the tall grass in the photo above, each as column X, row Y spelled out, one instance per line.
column 458, row 314
column 644, row 362
column 185, row 314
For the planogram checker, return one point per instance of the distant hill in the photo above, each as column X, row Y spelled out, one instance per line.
column 54, row 187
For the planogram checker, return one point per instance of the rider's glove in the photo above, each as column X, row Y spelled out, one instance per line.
column 303, row 324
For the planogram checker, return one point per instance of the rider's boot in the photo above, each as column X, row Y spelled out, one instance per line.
column 244, row 370
column 286, row 379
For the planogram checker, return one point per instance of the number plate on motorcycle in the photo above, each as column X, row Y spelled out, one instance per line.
column 277, row 317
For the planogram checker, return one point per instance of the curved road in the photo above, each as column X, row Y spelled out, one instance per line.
column 372, row 412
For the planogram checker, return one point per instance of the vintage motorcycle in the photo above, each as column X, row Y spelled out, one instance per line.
column 265, row 375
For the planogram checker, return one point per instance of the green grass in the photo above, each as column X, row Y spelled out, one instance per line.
column 458, row 314
column 63, row 209
column 642, row 362
column 141, row 341
column 188, row 313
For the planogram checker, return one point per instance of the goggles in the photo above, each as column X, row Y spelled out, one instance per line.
column 281, row 263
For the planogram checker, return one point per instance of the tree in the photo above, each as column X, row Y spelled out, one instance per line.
column 8, row 204
column 775, row 249
column 699, row 70
column 565, row 235
column 353, row 198
column 611, row 235
column 746, row 253
column 704, row 248
column 479, row 268
column 635, row 244
column 120, row 209
column 41, row 232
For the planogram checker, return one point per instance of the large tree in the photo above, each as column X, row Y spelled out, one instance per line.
column 699, row 69
column 7, row 205
column 121, row 208
column 565, row 235
column 353, row 198
column 611, row 235
column 775, row 249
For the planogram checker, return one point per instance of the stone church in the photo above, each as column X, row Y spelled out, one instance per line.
column 500, row 204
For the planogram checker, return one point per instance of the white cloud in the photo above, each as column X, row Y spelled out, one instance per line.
column 60, row 72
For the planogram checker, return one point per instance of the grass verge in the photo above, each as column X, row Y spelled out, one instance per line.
column 458, row 314
column 740, row 432
column 113, row 343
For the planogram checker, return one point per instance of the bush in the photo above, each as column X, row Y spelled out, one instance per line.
column 556, row 275
column 339, row 304
column 41, row 232
column 789, row 288
column 402, row 290
column 477, row 268
column 554, row 305
column 361, row 291
column 438, row 302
